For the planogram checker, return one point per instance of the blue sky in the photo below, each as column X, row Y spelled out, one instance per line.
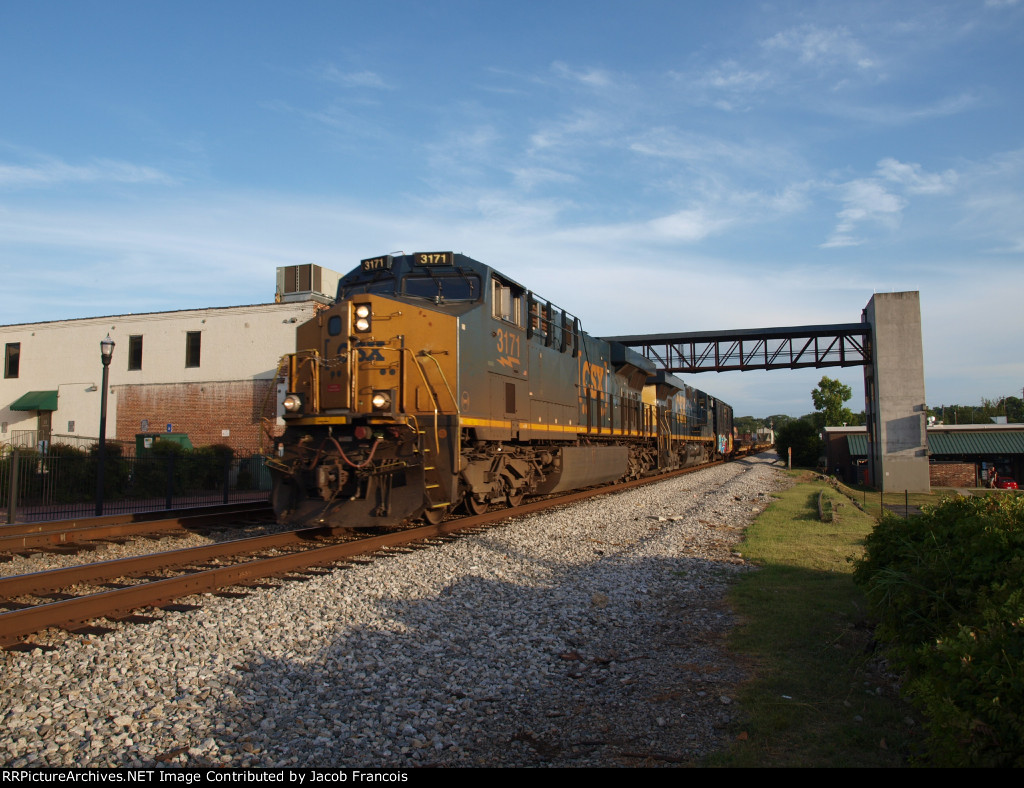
column 650, row 166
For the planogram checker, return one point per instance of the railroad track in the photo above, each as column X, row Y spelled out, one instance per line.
column 19, row 537
column 143, row 582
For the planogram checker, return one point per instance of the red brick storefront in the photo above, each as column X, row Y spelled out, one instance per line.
column 954, row 474
column 203, row 411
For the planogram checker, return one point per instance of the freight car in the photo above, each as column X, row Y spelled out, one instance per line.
column 751, row 443
column 436, row 382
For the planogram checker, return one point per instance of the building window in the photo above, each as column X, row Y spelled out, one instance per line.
column 135, row 352
column 12, row 359
column 192, row 345
column 71, row 426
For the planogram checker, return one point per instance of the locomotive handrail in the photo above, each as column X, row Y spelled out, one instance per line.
column 314, row 363
column 455, row 403
column 458, row 413
column 266, row 430
column 433, row 395
column 541, row 320
column 444, row 379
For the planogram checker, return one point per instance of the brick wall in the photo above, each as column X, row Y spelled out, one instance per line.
column 200, row 410
column 953, row 474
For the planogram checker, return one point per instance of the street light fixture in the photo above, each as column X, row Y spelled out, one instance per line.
column 106, row 352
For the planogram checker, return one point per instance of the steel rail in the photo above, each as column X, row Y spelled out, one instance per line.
column 51, row 580
column 75, row 612
column 80, row 533
column 132, row 517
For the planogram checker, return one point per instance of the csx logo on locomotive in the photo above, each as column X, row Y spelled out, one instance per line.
column 369, row 351
column 425, row 421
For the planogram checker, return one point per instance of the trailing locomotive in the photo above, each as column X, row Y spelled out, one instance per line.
column 435, row 381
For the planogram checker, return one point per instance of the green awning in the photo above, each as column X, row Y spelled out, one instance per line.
column 987, row 443
column 957, row 443
column 36, row 400
column 858, row 445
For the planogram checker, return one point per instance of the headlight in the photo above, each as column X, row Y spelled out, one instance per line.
column 293, row 403
column 361, row 323
column 381, row 400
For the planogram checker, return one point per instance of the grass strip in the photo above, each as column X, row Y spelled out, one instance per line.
column 819, row 696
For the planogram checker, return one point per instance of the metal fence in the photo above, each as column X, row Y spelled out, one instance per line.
column 41, row 440
column 62, row 483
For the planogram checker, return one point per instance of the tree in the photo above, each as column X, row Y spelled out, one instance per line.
column 745, row 424
column 802, row 436
column 1011, row 407
column 828, row 398
column 778, row 420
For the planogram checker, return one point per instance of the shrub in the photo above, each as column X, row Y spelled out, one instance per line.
column 72, row 473
column 191, row 470
column 948, row 588
column 206, row 466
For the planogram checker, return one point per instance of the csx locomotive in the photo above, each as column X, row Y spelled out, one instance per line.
column 437, row 382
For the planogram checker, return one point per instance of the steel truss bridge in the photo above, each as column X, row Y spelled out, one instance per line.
column 797, row 347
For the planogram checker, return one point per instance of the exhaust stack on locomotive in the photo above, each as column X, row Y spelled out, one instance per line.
column 435, row 381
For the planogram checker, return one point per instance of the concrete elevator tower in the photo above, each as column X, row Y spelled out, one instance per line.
column 894, row 393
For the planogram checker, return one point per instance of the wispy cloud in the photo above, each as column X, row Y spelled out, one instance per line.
column 787, row 66
column 49, row 171
column 913, row 178
column 351, row 79
column 688, row 225
column 528, row 178
column 464, row 153
column 994, row 203
column 867, row 201
column 755, row 156
column 591, row 77
column 822, row 46
column 572, row 130
column 884, row 114
column 881, row 199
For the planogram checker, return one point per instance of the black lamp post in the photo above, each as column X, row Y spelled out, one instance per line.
column 106, row 351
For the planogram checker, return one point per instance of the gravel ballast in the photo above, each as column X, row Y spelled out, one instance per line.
column 591, row 635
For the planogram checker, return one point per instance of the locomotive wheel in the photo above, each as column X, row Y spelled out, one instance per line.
column 434, row 516
column 514, row 499
column 284, row 496
column 473, row 506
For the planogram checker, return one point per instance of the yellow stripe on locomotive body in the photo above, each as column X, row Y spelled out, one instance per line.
column 435, row 381
column 321, row 420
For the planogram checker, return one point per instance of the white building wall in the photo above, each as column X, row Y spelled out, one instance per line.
column 237, row 343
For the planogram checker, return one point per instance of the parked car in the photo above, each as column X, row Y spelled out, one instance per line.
column 1005, row 483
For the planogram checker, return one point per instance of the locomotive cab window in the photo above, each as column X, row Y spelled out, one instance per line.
column 507, row 302
column 379, row 284
column 442, row 288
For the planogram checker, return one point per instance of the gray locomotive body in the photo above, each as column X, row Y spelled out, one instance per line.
column 435, row 382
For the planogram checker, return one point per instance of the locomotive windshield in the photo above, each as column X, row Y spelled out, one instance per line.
column 435, row 286
column 381, row 283
column 440, row 288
